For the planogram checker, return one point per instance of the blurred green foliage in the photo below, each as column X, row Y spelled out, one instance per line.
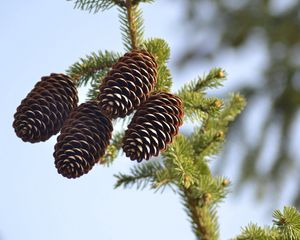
column 275, row 26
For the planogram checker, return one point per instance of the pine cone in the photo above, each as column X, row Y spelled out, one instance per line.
column 42, row 113
column 153, row 126
column 82, row 141
column 128, row 84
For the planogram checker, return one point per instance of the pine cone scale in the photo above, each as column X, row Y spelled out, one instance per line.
column 42, row 113
column 153, row 126
column 82, row 141
column 128, row 84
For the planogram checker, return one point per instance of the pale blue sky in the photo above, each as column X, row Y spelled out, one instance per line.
column 40, row 37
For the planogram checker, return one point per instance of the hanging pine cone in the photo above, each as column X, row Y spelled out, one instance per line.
column 42, row 113
column 82, row 141
column 153, row 126
column 128, row 84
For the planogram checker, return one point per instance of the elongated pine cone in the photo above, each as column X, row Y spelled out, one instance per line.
column 128, row 84
column 153, row 126
column 42, row 113
column 82, row 141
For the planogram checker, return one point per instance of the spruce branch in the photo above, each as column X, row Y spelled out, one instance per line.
column 232, row 109
column 197, row 105
column 97, row 5
column 95, row 81
column 91, row 66
column 101, row 5
column 140, row 175
column 213, row 79
column 209, row 138
column 113, row 149
column 207, row 142
column 132, row 25
column 136, row 2
column 161, row 51
column 255, row 232
column 109, row 156
column 199, row 190
column 163, row 178
column 288, row 222
column 117, row 140
column 179, row 158
column 164, row 79
column 214, row 187
column 92, row 69
column 286, row 227
column 159, row 48
column 203, row 216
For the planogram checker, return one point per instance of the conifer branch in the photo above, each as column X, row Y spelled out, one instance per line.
column 179, row 158
column 253, row 231
column 95, row 81
column 109, row 156
column 204, row 222
column 286, row 227
column 162, row 184
column 288, row 222
column 91, row 66
column 135, row 2
column 232, row 109
column 213, row 79
column 159, row 48
column 132, row 28
column 197, row 105
column 184, row 163
column 131, row 24
column 97, row 5
column 92, row 69
column 113, row 149
column 140, row 175
column 161, row 51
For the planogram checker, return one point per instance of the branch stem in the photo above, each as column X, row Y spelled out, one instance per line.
column 131, row 24
column 200, row 215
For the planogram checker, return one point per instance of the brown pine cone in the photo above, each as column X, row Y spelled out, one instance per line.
column 82, row 141
column 128, row 84
column 42, row 113
column 153, row 126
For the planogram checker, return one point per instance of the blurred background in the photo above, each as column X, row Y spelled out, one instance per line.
column 256, row 41
column 260, row 40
